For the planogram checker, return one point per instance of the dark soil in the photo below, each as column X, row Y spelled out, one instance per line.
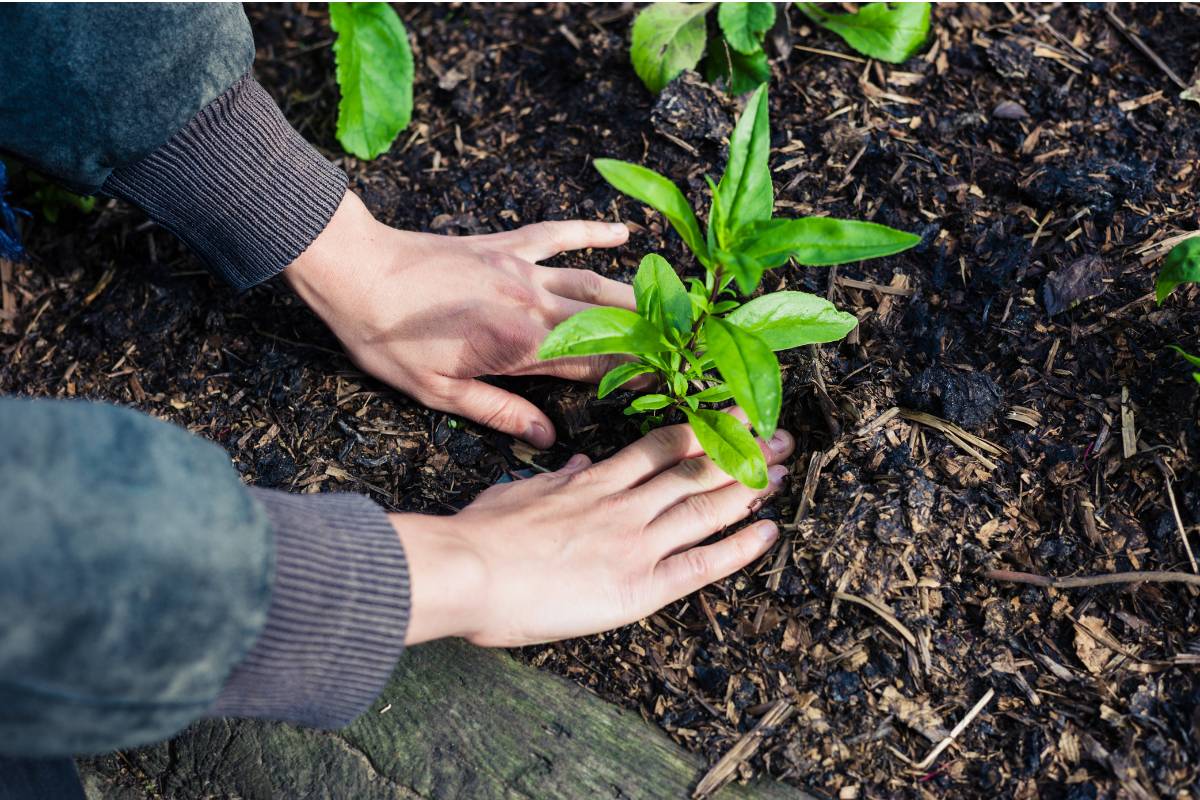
column 1006, row 146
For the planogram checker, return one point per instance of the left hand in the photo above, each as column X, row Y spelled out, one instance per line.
column 431, row 314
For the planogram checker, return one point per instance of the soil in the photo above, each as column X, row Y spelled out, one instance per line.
column 1044, row 425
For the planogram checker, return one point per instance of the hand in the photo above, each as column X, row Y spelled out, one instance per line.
column 584, row 549
column 429, row 314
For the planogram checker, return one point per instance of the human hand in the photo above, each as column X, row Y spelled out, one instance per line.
column 584, row 549
column 430, row 314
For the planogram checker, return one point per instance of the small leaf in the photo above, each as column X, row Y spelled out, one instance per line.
column 891, row 32
column 790, row 319
column 602, row 330
column 659, row 193
column 1191, row 359
column 713, row 394
column 745, row 192
column 745, row 25
column 746, row 269
column 751, row 371
column 668, row 38
column 619, row 375
column 374, row 74
column 661, row 297
column 820, row 241
column 1182, row 265
column 742, row 72
column 679, row 384
column 730, row 446
column 650, row 402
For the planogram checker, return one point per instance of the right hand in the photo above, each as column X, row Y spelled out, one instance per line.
column 584, row 549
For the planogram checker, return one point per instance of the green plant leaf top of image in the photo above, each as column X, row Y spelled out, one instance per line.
column 668, row 38
column 1182, row 265
column 374, row 74
column 891, row 32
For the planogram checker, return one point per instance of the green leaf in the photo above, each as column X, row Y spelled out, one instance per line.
column 374, row 74
column 820, row 241
column 649, row 402
column 741, row 72
column 745, row 25
column 619, row 375
column 713, row 394
column 668, row 38
column 659, row 193
column 730, row 446
column 745, row 192
column 790, row 319
column 751, row 371
column 1182, row 265
column 1191, row 359
column 747, row 270
column 661, row 297
column 602, row 330
column 891, row 32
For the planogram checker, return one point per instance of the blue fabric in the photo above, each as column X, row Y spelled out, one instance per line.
column 39, row 779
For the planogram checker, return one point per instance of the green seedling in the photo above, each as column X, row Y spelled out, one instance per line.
column 704, row 344
column 891, row 32
column 669, row 38
column 374, row 75
column 1182, row 265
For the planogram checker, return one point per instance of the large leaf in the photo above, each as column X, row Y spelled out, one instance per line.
column 730, row 446
column 602, row 330
column 888, row 31
column 619, row 375
column 1182, row 265
column 750, row 369
column 374, row 74
column 745, row 25
column 661, row 297
column 745, row 190
column 820, row 241
column 667, row 39
column 660, row 194
column 790, row 319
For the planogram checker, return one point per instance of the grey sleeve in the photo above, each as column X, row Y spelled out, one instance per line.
column 143, row 587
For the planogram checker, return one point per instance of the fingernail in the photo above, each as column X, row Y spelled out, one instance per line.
column 618, row 228
column 574, row 462
column 780, row 441
column 767, row 531
column 537, row 434
column 775, row 474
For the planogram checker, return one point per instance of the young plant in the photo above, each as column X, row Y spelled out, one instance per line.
column 374, row 75
column 891, row 32
column 1182, row 265
column 669, row 38
column 703, row 344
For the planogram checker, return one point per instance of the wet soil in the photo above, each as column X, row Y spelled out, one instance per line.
column 1043, row 159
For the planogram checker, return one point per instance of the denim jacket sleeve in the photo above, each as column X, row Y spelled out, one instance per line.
column 142, row 587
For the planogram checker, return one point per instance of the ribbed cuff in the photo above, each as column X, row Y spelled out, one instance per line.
column 337, row 618
column 238, row 184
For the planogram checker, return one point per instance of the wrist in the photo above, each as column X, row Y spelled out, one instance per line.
column 448, row 578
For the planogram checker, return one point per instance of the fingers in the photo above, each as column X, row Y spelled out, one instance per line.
column 698, row 475
column 495, row 408
column 586, row 286
column 545, row 239
column 589, row 369
column 686, row 572
column 702, row 515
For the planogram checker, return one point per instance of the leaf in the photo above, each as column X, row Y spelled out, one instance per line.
column 668, row 38
column 713, row 394
column 1182, row 265
column 730, row 446
column 649, row 402
column 745, row 192
column 661, row 297
column 602, row 330
column 742, row 72
column 790, row 319
column 745, row 25
column 659, row 193
column 374, row 74
column 820, row 241
column 745, row 269
column 1191, row 359
column 619, row 375
column 891, row 32
column 751, row 371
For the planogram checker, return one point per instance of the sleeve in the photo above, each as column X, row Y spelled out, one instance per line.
column 156, row 104
column 143, row 587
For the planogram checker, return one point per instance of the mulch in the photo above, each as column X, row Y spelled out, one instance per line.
column 1007, row 405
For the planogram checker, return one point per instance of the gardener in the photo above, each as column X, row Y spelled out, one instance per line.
column 142, row 586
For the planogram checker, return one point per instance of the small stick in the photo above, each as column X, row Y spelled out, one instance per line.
column 882, row 611
column 725, row 770
column 1175, row 510
column 1145, row 48
column 1080, row 581
column 928, row 760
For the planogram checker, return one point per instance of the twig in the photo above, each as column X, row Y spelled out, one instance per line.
column 1079, row 581
column 928, row 760
column 726, row 769
column 1145, row 48
column 882, row 611
column 1187, row 546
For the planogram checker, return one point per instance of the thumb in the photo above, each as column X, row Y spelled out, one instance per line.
column 501, row 410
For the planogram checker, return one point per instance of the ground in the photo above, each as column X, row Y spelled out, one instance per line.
column 1043, row 425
